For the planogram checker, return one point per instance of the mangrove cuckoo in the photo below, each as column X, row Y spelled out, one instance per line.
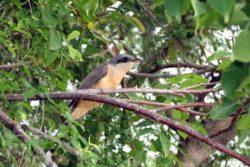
column 106, row 76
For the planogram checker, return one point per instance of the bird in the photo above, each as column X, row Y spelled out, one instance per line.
column 105, row 76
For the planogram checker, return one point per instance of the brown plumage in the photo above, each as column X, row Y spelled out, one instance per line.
column 107, row 76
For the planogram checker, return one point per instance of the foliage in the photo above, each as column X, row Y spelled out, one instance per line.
column 57, row 42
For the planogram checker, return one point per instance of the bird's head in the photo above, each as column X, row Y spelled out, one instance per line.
column 124, row 62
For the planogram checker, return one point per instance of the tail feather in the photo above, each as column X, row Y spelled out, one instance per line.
column 83, row 107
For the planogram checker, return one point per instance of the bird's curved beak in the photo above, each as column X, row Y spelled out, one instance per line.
column 136, row 60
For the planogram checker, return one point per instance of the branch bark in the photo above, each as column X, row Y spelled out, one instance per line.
column 18, row 131
column 178, row 107
column 8, row 67
column 69, row 95
column 41, row 134
column 166, row 75
column 146, row 114
column 194, row 104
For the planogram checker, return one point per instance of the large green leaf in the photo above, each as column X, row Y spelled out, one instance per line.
column 164, row 143
column 241, row 49
column 219, row 55
column 233, row 76
column 223, row 7
column 199, row 7
column 74, row 54
column 74, row 34
column 244, row 122
column 90, row 6
column 176, row 8
column 223, row 110
column 55, row 39
column 136, row 22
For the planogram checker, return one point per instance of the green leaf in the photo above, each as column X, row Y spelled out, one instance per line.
column 179, row 115
column 75, row 143
column 136, row 22
column 176, row 8
column 164, row 143
column 243, row 134
column 74, row 54
column 223, row 7
column 74, row 34
column 239, row 18
column 241, row 49
column 223, row 110
column 55, row 39
column 90, row 6
column 25, row 82
column 233, row 76
column 243, row 123
column 225, row 64
column 218, row 55
column 199, row 7
column 144, row 131
column 64, row 130
column 50, row 57
column 207, row 20
column 157, row 3
column 199, row 127
column 182, row 134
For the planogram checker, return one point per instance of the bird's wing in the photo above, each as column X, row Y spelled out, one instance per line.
column 90, row 81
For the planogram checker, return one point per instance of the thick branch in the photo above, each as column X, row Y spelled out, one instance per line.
column 14, row 127
column 18, row 131
column 150, row 115
column 70, row 95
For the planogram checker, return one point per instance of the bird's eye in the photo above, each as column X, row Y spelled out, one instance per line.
column 123, row 60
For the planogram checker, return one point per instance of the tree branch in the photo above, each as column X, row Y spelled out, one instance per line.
column 179, row 107
column 8, row 67
column 146, row 114
column 180, row 65
column 70, row 95
column 18, row 131
column 201, row 84
column 166, row 75
column 14, row 127
column 41, row 134
column 194, row 104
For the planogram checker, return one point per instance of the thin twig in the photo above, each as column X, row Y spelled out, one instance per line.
column 201, row 84
column 180, row 108
column 8, row 67
column 41, row 134
column 166, row 75
column 182, row 65
column 192, row 112
column 194, row 104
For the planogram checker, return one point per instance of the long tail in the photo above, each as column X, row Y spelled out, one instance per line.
column 83, row 107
